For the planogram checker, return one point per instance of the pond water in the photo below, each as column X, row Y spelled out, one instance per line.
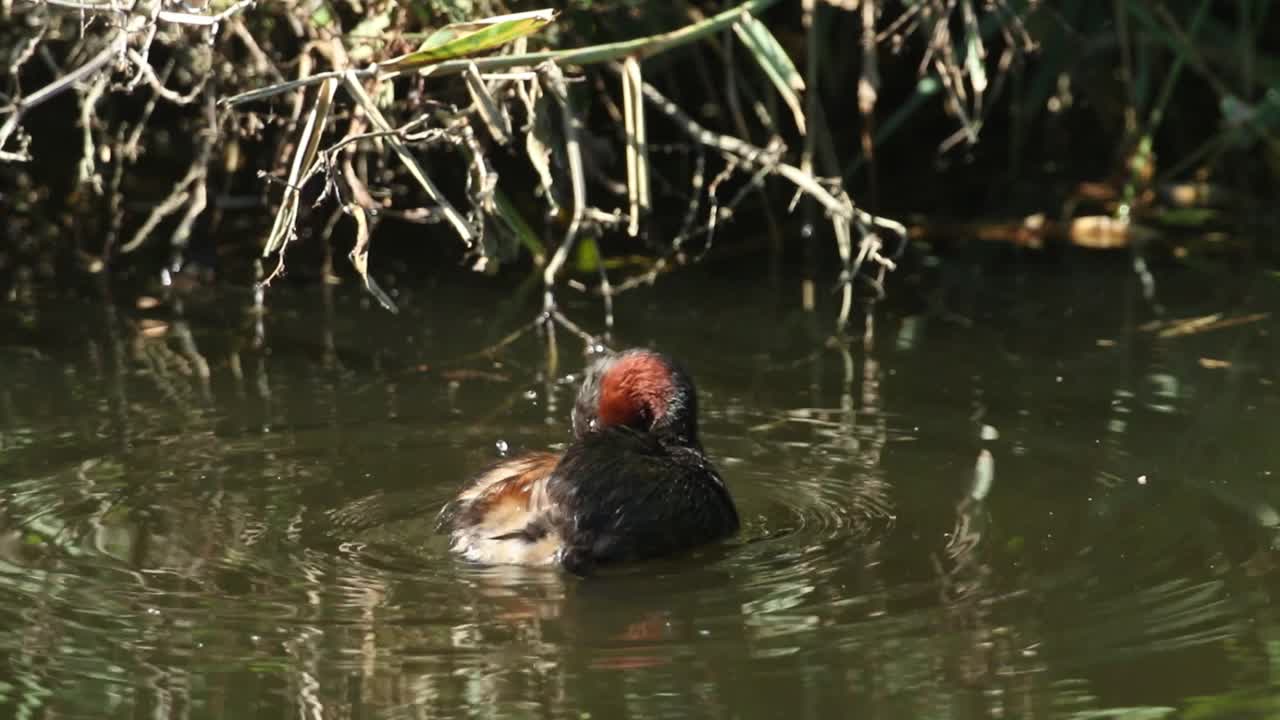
column 1031, row 494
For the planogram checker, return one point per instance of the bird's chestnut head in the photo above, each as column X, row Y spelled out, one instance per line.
column 639, row 389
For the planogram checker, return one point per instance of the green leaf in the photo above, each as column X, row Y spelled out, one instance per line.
column 514, row 223
column 468, row 38
column 775, row 62
column 321, row 17
column 1193, row 217
column 363, row 37
column 587, row 255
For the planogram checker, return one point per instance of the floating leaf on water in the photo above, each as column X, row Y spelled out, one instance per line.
column 468, row 38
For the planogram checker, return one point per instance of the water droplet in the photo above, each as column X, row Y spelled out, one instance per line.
column 1142, row 479
column 503, row 448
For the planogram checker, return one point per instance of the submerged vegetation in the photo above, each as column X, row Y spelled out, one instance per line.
column 171, row 132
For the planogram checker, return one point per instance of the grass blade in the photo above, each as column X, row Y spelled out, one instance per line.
column 514, row 223
column 775, row 63
column 468, row 38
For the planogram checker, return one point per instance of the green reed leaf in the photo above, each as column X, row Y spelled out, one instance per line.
column 458, row 40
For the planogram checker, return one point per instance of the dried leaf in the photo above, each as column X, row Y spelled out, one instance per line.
column 360, row 258
column 542, row 142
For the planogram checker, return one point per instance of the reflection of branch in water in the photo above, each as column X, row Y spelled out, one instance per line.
column 869, row 444
column 163, row 673
column 187, row 345
column 329, row 359
column 119, row 398
column 983, row 652
column 551, row 373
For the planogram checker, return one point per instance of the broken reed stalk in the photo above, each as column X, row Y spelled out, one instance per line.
column 637, row 144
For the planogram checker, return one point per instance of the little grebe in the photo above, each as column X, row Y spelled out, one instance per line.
column 633, row 484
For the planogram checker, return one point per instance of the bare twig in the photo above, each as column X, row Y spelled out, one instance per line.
column 754, row 156
column 838, row 205
column 455, row 218
column 115, row 46
column 164, row 209
column 554, row 83
column 213, row 21
column 157, row 85
column 88, row 101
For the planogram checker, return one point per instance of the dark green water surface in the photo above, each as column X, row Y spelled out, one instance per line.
column 202, row 516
